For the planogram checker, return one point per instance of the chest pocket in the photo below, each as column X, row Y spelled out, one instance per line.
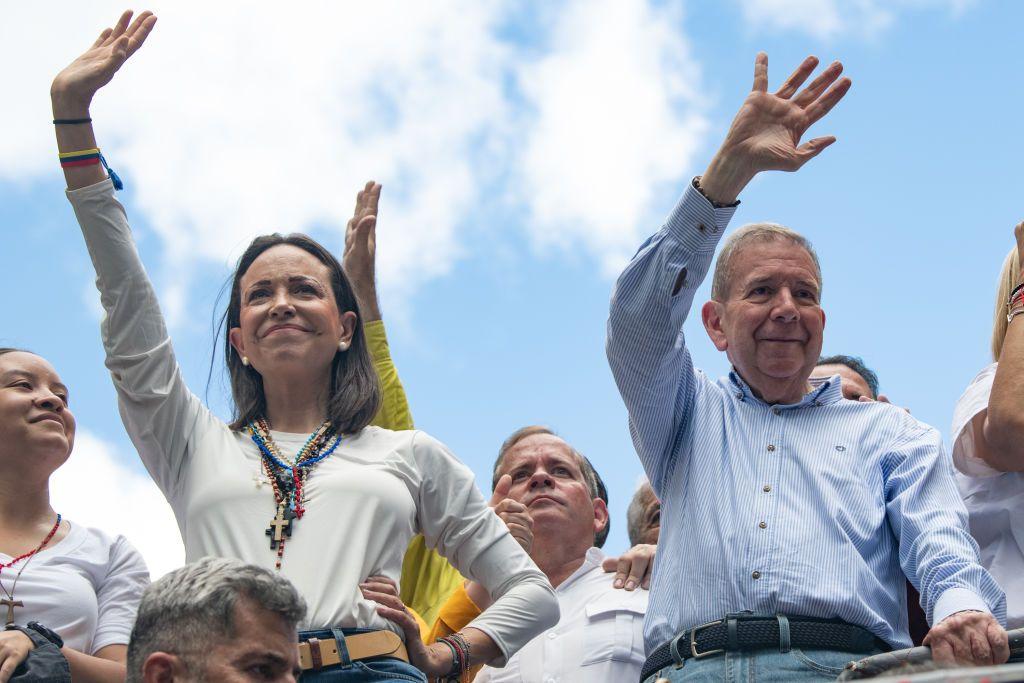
column 614, row 630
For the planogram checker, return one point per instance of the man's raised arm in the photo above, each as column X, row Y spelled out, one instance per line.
column 652, row 297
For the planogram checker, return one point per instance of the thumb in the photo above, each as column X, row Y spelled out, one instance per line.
column 813, row 148
column 501, row 489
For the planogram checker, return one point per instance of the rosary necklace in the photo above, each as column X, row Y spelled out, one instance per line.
column 9, row 602
column 288, row 478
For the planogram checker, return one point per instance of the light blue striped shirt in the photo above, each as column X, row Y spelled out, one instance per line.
column 808, row 509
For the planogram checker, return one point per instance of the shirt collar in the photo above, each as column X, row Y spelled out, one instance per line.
column 824, row 391
column 593, row 559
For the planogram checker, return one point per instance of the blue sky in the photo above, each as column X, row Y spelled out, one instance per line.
column 524, row 153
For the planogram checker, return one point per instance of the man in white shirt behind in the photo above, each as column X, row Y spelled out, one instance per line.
column 600, row 634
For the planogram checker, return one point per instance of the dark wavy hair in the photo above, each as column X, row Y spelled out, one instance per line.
column 355, row 393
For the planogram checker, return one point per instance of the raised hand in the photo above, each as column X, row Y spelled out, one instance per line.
column 766, row 133
column 359, row 259
column 515, row 515
column 73, row 88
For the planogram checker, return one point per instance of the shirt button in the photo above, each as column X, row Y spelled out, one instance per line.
column 763, row 525
column 771, row 448
column 755, row 575
column 700, row 226
column 767, row 488
column 776, row 411
column 552, row 635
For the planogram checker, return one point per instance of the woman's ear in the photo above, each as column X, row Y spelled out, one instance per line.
column 348, row 326
column 237, row 342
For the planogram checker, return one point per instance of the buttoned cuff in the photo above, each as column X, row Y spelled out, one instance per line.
column 696, row 223
column 957, row 600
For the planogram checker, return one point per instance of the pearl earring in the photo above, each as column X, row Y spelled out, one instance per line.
column 343, row 345
column 245, row 361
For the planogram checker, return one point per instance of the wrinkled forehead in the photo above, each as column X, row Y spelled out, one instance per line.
column 537, row 449
column 777, row 260
column 284, row 262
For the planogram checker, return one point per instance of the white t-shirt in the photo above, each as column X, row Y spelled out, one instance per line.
column 86, row 587
column 599, row 637
column 994, row 500
column 363, row 504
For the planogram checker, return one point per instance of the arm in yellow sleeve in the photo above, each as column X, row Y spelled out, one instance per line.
column 427, row 578
column 394, row 410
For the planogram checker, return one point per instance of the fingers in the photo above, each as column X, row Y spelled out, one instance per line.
column 942, row 653
column 797, row 78
column 981, row 653
column 621, row 572
column 139, row 31
column 501, row 490
column 380, row 584
column 865, row 399
column 761, row 72
column 808, row 151
column 103, row 37
column 637, row 571
column 882, row 398
column 120, row 26
column 373, row 197
column 824, row 104
column 819, row 84
column 998, row 641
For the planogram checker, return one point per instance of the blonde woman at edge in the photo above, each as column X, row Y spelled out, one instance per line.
column 988, row 442
column 304, row 392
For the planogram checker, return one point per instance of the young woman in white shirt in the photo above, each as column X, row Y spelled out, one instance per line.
column 297, row 481
column 68, row 594
column 988, row 442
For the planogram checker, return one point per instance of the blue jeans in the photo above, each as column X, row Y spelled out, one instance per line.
column 762, row 666
column 375, row 670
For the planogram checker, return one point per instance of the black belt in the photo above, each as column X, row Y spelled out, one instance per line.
column 748, row 632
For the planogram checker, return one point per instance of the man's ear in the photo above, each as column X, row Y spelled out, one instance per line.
column 711, row 313
column 600, row 515
column 163, row 667
column 237, row 342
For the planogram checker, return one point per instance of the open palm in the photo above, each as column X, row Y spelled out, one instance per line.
column 80, row 80
column 767, row 129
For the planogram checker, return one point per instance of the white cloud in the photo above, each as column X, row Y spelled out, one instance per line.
column 94, row 488
column 233, row 121
column 618, row 111
column 826, row 19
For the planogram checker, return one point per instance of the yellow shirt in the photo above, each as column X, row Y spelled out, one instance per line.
column 456, row 612
column 427, row 578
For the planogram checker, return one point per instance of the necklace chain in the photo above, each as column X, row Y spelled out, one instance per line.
column 10, row 602
column 288, row 477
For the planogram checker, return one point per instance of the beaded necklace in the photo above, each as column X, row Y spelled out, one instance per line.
column 288, row 478
column 10, row 603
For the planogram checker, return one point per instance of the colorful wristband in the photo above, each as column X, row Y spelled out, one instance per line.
column 70, row 122
column 88, row 157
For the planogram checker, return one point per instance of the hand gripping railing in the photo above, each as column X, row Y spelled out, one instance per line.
column 887, row 662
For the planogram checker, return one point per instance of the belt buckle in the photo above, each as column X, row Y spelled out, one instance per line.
column 693, row 640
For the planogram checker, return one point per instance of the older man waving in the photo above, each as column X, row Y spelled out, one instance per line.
column 790, row 515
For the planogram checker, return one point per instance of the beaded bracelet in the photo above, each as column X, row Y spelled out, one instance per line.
column 460, row 656
column 1016, row 293
column 89, row 157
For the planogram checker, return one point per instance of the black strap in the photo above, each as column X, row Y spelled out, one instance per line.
column 737, row 632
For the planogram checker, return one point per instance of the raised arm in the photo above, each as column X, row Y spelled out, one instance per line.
column 653, row 296
column 999, row 430
column 159, row 413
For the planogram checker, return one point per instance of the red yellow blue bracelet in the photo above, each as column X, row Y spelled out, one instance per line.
column 89, row 157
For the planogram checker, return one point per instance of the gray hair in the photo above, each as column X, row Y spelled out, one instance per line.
column 194, row 606
column 590, row 476
column 635, row 512
column 750, row 234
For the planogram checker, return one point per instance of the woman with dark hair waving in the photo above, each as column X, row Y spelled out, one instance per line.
column 297, row 481
column 68, row 593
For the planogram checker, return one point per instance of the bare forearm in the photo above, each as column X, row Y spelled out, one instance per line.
column 481, row 648
column 97, row 669
column 74, row 138
column 1004, row 424
column 725, row 177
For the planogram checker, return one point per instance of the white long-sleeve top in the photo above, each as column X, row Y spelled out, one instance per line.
column 363, row 504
